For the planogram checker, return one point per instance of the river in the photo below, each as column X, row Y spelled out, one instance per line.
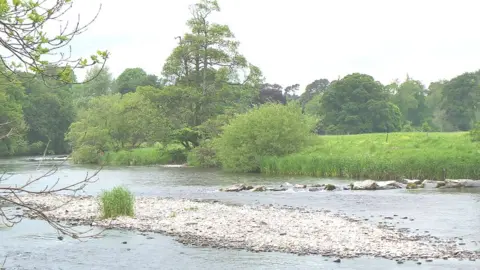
column 34, row 245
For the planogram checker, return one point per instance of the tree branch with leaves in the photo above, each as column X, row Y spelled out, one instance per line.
column 28, row 47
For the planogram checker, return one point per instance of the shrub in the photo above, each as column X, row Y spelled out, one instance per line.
column 86, row 154
column 269, row 130
column 117, row 202
column 203, row 156
column 177, row 153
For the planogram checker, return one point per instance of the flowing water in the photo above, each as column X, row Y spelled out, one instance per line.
column 34, row 245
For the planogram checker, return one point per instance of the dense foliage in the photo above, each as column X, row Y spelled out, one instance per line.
column 211, row 107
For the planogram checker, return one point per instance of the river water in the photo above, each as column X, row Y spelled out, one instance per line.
column 34, row 245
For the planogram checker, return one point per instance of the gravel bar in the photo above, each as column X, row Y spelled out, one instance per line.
column 255, row 228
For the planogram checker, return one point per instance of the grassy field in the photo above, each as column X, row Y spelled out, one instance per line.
column 404, row 155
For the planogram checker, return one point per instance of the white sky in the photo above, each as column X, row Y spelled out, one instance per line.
column 302, row 40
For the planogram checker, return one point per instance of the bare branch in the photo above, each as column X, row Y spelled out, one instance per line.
column 12, row 196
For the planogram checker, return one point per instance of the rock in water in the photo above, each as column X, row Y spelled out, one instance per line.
column 259, row 189
column 410, row 181
column 389, row 185
column 470, row 183
column 300, row 186
column 459, row 183
column 330, row 187
column 430, row 183
column 364, row 185
column 236, row 188
column 277, row 189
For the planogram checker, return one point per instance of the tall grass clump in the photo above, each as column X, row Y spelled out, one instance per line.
column 117, row 202
column 269, row 130
column 406, row 155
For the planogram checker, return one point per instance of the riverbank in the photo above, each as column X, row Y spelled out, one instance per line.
column 258, row 228
column 414, row 155
column 156, row 155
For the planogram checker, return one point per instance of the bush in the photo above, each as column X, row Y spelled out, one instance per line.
column 176, row 153
column 269, row 130
column 86, row 155
column 203, row 156
column 117, row 202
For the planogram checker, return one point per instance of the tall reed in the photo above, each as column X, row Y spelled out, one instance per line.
column 404, row 155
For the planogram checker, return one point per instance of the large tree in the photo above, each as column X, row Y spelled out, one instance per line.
column 317, row 87
column 410, row 97
column 207, row 62
column 12, row 124
column 48, row 113
column 99, row 82
column 461, row 96
column 271, row 93
column 131, row 78
column 359, row 104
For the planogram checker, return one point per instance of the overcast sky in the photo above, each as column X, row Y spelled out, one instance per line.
column 302, row 40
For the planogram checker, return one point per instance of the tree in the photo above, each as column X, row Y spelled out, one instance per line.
column 358, row 104
column 99, row 82
column 434, row 103
column 48, row 116
column 317, row 87
column 410, row 97
column 290, row 92
column 461, row 96
column 12, row 124
column 271, row 93
column 131, row 78
column 114, row 122
column 27, row 47
column 207, row 63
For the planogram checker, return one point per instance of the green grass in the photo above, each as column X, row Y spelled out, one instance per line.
column 146, row 156
column 117, row 202
column 406, row 155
